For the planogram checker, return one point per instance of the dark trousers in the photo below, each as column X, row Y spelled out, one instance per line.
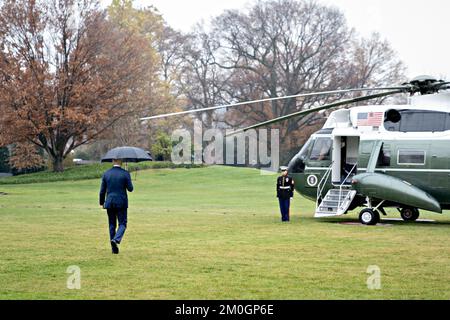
column 284, row 208
column 114, row 216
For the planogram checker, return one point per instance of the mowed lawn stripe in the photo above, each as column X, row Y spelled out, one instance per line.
column 209, row 233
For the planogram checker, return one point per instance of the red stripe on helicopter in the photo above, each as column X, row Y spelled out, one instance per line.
column 370, row 119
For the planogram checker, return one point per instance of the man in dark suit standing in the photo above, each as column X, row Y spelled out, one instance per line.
column 113, row 197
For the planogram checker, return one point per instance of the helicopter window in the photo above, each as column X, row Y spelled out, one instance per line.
column 321, row 150
column 305, row 149
column 297, row 164
column 411, row 157
column 420, row 121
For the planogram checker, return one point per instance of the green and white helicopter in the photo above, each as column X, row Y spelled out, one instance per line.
column 375, row 156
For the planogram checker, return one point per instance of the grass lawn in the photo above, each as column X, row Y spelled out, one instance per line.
column 209, row 233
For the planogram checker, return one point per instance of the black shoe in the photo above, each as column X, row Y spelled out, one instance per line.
column 115, row 248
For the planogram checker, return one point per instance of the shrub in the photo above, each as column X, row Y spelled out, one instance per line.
column 84, row 172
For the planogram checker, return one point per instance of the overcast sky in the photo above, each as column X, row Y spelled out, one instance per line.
column 417, row 30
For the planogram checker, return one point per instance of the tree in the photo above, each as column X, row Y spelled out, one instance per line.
column 67, row 74
column 163, row 90
column 373, row 63
column 162, row 148
column 4, row 160
column 171, row 47
column 285, row 47
column 282, row 48
column 33, row 162
column 203, row 82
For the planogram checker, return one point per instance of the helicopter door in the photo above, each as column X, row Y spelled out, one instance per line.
column 345, row 156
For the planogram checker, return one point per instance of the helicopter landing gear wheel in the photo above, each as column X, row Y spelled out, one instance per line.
column 369, row 217
column 409, row 214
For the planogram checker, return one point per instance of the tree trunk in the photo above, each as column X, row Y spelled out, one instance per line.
column 58, row 165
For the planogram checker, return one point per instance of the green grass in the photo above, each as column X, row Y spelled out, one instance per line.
column 85, row 172
column 209, row 233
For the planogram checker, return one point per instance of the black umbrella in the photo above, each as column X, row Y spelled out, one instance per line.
column 127, row 154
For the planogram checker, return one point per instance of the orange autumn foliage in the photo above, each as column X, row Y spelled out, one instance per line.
column 67, row 74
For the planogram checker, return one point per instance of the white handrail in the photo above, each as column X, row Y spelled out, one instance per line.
column 323, row 180
column 342, row 184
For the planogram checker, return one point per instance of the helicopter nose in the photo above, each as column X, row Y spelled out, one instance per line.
column 296, row 165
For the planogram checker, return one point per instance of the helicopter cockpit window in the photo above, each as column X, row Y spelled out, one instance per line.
column 321, row 150
column 419, row 121
column 297, row 164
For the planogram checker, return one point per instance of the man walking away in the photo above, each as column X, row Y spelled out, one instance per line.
column 113, row 197
column 285, row 191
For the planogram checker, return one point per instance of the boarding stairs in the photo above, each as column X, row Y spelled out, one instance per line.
column 337, row 200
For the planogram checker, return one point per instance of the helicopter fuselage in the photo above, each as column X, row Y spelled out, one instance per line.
column 410, row 144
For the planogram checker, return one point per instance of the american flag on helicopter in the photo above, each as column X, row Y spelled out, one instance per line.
column 370, row 119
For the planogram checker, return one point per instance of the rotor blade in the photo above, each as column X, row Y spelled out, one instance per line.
column 440, row 84
column 233, row 105
column 306, row 112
